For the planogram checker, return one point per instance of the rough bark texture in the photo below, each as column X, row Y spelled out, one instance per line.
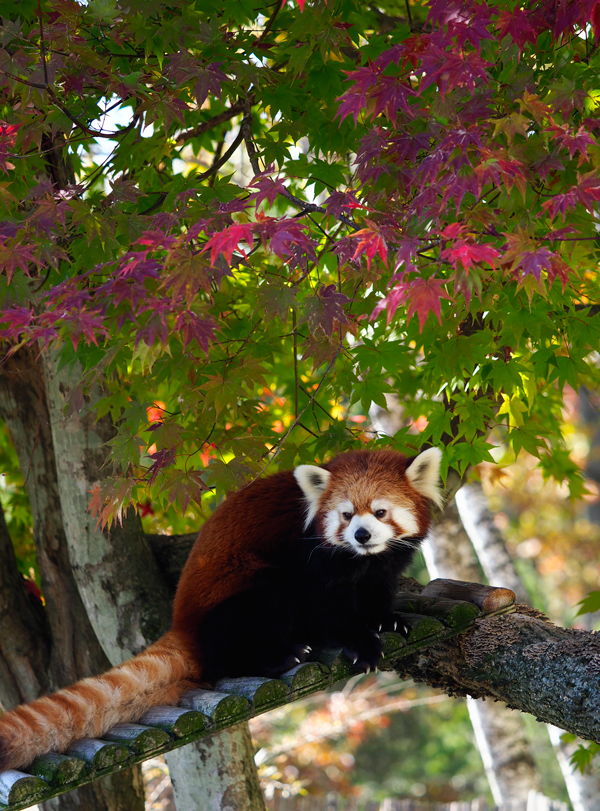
column 217, row 773
column 500, row 735
column 124, row 593
column 24, row 642
column 525, row 661
column 76, row 652
column 61, row 646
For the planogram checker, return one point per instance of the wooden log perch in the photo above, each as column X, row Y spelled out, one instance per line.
column 462, row 637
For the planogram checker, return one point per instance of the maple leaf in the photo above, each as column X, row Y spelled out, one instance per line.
column 573, row 141
column 209, row 80
column 193, row 327
column 469, row 254
column 86, row 324
column 422, row 296
column 228, row 240
column 163, row 458
column 14, row 257
column 371, row 242
column 268, row 189
column 8, row 136
column 325, row 310
column 559, row 269
column 516, row 25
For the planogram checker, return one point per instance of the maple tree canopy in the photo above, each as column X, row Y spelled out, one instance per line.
column 414, row 210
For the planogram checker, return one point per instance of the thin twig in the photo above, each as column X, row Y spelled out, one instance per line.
column 277, row 8
column 295, row 334
column 246, row 129
column 275, row 449
column 42, row 43
column 213, row 122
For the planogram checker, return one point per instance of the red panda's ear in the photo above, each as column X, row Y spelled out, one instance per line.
column 313, row 482
column 424, row 475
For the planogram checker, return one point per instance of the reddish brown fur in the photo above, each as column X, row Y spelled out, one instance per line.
column 230, row 549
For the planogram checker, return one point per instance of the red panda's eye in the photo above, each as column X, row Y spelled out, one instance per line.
column 347, row 516
column 380, row 513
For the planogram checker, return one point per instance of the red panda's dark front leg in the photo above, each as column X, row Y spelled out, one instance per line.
column 252, row 633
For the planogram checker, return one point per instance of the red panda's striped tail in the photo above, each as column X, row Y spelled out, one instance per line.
column 89, row 708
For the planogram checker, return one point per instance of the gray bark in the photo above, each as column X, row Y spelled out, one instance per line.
column 62, row 647
column 500, row 735
column 217, row 773
column 75, row 653
column 524, row 661
column 124, row 593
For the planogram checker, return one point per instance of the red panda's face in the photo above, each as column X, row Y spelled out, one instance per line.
column 371, row 527
column 369, row 502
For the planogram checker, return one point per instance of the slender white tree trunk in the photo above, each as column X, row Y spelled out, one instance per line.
column 500, row 732
column 487, row 539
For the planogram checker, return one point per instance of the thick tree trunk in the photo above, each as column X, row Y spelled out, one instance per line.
column 217, row 773
column 124, row 593
column 124, row 590
column 500, row 734
column 62, row 647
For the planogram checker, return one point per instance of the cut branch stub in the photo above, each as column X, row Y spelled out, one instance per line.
column 140, row 739
column 58, row 770
column 487, row 598
column 178, row 721
column 17, row 787
column 98, row 754
column 223, row 709
column 420, row 627
column 262, row 693
column 453, row 613
column 306, row 678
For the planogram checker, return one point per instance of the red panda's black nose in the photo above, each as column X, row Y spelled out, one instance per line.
column 362, row 535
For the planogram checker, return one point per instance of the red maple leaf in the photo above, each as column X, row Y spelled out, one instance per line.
column 370, row 243
column 422, row 296
column 425, row 296
column 17, row 256
column 516, row 25
column 268, row 189
column 228, row 240
column 469, row 254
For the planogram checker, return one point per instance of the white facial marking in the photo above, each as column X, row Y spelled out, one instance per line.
column 405, row 518
column 331, row 525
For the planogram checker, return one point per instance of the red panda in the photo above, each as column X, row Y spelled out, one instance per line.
column 300, row 558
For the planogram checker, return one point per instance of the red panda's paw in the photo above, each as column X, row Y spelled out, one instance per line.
column 294, row 655
column 365, row 652
column 387, row 622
